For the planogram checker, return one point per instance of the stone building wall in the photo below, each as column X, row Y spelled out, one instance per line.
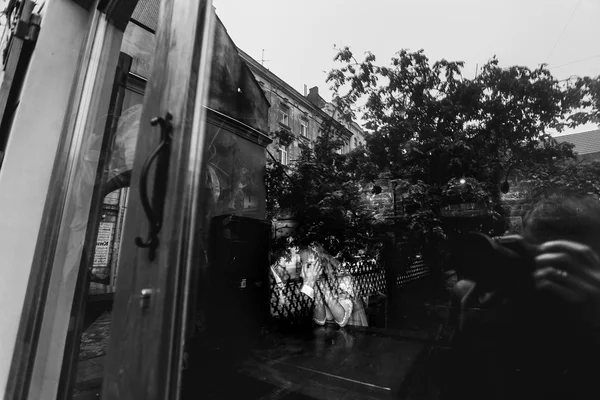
column 305, row 113
column 297, row 113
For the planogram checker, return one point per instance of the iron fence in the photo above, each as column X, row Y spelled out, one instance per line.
column 288, row 304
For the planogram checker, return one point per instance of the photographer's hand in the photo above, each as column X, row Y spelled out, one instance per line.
column 571, row 271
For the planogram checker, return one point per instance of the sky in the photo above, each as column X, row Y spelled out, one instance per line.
column 298, row 37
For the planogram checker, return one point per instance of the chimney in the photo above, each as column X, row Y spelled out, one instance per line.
column 313, row 96
column 305, row 88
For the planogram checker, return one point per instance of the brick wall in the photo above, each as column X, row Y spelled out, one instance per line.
column 515, row 202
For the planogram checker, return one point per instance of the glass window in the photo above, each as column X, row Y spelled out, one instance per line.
column 104, row 270
column 304, row 128
column 283, row 156
column 284, row 117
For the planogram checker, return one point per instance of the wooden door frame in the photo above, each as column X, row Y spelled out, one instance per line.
column 95, row 73
column 148, row 334
column 151, row 366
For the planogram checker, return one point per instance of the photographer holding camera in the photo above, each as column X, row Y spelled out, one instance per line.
column 530, row 318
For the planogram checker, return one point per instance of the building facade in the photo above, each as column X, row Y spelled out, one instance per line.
column 301, row 114
column 357, row 138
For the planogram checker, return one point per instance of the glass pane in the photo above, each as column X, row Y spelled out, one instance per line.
column 127, row 107
column 103, row 282
column 432, row 149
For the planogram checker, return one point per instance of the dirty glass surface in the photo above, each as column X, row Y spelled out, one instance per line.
column 469, row 134
column 103, row 279
column 424, row 166
column 113, row 210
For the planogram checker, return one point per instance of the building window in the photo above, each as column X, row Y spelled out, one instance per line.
column 283, row 156
column 284, row 117
column 304, row 128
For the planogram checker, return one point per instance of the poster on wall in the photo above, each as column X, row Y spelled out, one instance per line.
column 118, row 236
column 105, row 232
column 515, row 225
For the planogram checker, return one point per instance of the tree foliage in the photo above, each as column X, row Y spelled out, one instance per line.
column 442, row 138
column 451, row 139
column 570, row 178
column 324, row 197
column 430, row 123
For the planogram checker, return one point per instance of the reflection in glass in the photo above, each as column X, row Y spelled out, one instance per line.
column 103, row 271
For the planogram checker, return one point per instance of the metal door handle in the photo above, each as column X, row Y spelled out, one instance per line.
column 154, row 212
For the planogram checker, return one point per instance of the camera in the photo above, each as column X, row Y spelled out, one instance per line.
column 493, row 263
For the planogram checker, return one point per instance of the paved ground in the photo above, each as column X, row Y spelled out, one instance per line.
column 401, row 361
column 318, row 363
column 92, row 354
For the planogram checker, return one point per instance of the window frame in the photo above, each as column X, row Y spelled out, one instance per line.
column 284, row 114
column 49, row 292
column 51, row 282
column 159, row 332
column 304, row 124
column 283, row 152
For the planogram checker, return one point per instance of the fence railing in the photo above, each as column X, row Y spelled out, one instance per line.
column 416, row 271
column 288, row 304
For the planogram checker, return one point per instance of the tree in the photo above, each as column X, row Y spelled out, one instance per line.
column 450, row 139
column 323, row 195
column 570, row 178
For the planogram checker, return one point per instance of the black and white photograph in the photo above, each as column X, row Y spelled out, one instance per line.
column 310, row 200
